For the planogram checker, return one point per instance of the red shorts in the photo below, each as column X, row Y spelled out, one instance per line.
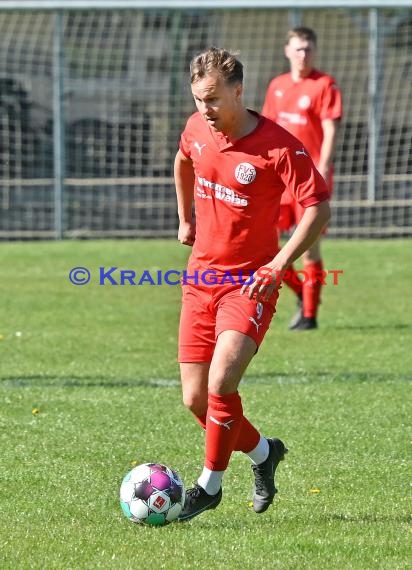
column 289, row 216
column 208, row 310
column 291, row 212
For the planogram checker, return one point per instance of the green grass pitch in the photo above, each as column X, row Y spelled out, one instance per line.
column 89, row 385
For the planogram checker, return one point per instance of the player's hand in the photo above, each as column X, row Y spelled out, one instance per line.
column 263, row 284
column 187, row 233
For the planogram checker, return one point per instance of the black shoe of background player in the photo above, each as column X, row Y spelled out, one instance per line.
column 297, row 317
column 306, row 324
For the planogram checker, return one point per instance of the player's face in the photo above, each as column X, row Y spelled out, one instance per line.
column 217, row 101
column 301, row 54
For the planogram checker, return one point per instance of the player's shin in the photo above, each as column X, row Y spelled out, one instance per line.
column 223, row 425
column 312, row 288
column 293, row 281
column 248, row 438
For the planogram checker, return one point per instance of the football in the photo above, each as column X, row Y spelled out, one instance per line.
column 152, row 494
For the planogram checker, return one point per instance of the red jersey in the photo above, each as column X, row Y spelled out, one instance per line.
column 237, row 191
column 300, row 107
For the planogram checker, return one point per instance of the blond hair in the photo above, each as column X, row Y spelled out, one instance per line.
column 219, row 60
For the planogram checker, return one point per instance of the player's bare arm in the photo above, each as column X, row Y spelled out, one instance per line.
column 330, row 129
column 307, row 231
column 184, row 181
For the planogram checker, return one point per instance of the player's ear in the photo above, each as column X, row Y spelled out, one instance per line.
column 238, row 91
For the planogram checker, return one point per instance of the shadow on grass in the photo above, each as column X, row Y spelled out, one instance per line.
column 373, row 327
column 262, row 379
column 86, row 381
column 325, row 377
column 268, row 522
column 369, row 518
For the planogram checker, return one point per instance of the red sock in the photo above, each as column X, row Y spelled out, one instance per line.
column 314, row 277
column 293, row 281
column 248, row 437
column 201, row 420
column 223, row 424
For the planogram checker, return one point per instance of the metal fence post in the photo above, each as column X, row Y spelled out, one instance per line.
column 58, row 123
column 375, row 103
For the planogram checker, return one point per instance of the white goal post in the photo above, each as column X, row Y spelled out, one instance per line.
column 94, row 94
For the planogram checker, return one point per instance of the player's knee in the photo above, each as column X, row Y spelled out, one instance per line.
column 195, row 403
column 312, row 255
column 223, row 386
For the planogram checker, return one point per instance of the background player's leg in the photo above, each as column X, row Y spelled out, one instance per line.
column 287, row 220
column 293, row 281
column 313, row 267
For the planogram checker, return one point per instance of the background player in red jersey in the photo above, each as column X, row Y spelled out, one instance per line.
column 308, row 104
column 234, row 164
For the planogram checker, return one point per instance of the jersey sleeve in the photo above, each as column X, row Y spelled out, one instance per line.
column 331, row 107
column 188, row 135
column 301, row 178
column 184, row 143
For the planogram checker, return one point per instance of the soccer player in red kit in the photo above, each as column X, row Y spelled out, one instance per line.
column 308, row 104
column 234, row 164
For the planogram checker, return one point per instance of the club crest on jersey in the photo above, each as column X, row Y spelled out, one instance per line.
column 245, row 173
column 304, row 102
